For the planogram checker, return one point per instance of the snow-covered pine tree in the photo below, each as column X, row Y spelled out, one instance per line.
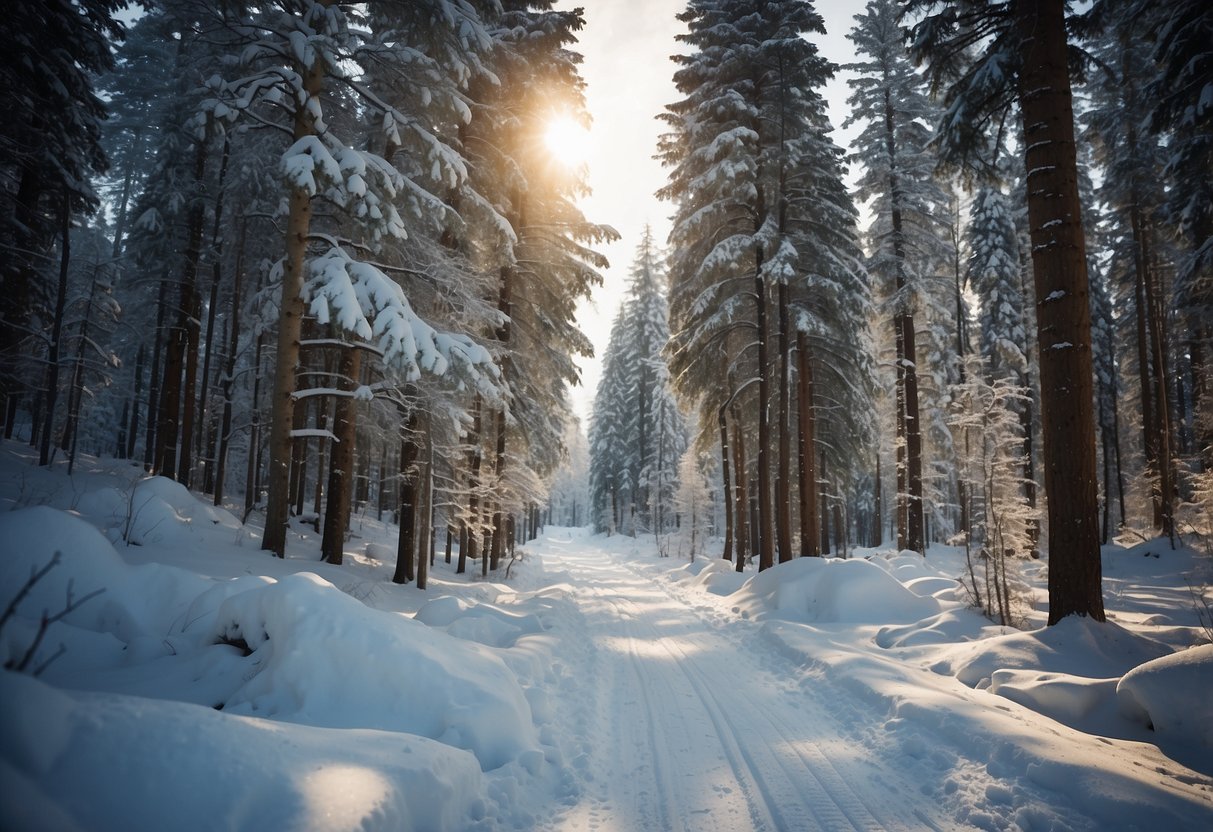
column 639, row 436
column 751, row 122
column 295, row 57
column 890, row 101
column 609, row 443
column 692, row 501
column 994, row 276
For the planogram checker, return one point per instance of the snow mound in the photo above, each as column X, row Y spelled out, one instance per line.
column 325, row 659
column 95, row 761
column 1075, row 645
column 482, row 622
column 1173, row 695
column 161, row 510
column 948, row 627
column 714, row 575
column 1071, row 700
column 831, row 590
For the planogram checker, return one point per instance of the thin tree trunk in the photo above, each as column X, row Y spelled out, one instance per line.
column 783, row 488
column 909, row 424
column 216, row 274
column 253, row 469
column 1064, row 312
column 52, row 357
column 741, row 527
column 76, row 394
column 341, row 465
column 229, row 370
column 179, row 429
column 824, row 506
column 807, row 450
column 427, row 503
column 725, row 477
column 762, row 477
column 406, row 543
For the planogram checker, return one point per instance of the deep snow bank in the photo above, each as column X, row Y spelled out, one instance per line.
column 101, row 762
column 830, row 590
column 316, row 656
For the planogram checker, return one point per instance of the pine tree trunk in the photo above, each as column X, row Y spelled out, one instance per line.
column 406, row 545
column 1063, row 313
column 741, row 526
column 910, row 531
column 229, row 371
column 299, row 219
column 807, row 450
column 824, row 505
column 299, row 460
column 427, row 514
column 725, row 478
column 341, row 465
column 763, row 521
column 783, row 488
column 1163, row 443
column 52, row 357
column 878, row 507
column 474, row 463
column 177, row 433
column 216, row 273
column 70, row 428
column 150, row 441
column 498, row 475
column 252, row 471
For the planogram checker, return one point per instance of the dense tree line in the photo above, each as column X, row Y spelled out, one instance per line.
column 315, row 252
column 346, row 267
column 948, row 381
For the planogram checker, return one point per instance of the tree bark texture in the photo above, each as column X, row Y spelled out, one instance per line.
column 1063, row 312
column 341, row 465
column 298, row 224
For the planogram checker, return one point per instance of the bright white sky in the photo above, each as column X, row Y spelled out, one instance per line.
column 627, row 44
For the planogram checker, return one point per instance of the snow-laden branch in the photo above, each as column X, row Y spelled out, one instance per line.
column 360, row 298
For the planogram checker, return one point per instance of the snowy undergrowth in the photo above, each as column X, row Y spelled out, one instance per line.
column 895, row 630
column 201, row 688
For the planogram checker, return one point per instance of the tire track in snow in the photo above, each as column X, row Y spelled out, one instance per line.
column 688, row 740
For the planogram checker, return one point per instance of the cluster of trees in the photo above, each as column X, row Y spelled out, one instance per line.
column 945, row 375
column 637, row 434
column 346, row 266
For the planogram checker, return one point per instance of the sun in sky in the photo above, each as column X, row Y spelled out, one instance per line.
column 567, row 140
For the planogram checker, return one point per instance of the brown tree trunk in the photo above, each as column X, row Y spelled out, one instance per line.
column 229, row 370
column 52, row 358
column 298, row 223
column 341, row 465
column 1063, row 317
column 741, row 526
column 406, row 545
column 762, row 476
column 910, row 523
column 726, row 480
column 810, row 543
column 783, row 487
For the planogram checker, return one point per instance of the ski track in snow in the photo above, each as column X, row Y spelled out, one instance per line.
column 686, row 722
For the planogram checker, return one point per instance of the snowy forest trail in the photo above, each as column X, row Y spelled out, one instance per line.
column 690, row 722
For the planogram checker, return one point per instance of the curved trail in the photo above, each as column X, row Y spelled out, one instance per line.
column 688, row 723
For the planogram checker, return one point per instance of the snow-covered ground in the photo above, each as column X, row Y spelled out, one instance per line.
column 211, row 686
